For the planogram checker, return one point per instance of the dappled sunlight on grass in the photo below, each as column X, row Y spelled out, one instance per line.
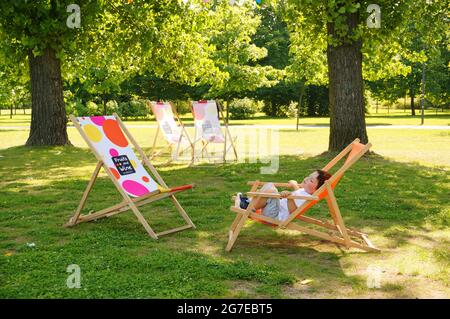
column 403, row 206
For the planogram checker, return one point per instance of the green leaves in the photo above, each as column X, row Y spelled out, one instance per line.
column 234, row 53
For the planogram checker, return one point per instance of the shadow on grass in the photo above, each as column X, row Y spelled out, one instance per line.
column 120, row 260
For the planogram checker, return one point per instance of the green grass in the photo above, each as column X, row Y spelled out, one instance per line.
column 424, row 147
column 399, row 197
column 395, row 117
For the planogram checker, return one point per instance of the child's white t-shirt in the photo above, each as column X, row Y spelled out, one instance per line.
column 284, row 211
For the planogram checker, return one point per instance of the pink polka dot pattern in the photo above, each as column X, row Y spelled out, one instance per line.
column 159, row 112
column 113, row 152
column 199, row 111
column 216, row 139
column 135, row 188
column 98, row 120
column 108, row 140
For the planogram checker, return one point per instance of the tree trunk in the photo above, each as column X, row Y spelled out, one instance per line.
column 48, row 113
column 404, row 104
column 411, row 93
column 422, row 111
column 346, row 98
column 273, row 106
column 11, row 111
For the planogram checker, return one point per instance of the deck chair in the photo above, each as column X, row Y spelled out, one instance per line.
column 174, row 133
column 109, row 140
column 208, row 129
column 339, row 233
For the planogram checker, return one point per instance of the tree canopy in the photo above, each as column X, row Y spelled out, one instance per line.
column 271, row 50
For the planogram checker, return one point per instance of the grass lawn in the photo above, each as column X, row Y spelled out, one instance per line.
column 395, row 117
column 399, row 196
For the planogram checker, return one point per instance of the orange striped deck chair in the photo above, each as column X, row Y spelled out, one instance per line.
column 337, row 233
column 111, row 142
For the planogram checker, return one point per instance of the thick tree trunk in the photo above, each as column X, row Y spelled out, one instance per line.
column 346, row 98
column 48, row 114
column 411, row 94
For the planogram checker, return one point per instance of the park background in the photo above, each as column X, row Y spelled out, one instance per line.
column 275, row 63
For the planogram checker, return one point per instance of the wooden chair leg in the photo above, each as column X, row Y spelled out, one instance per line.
column 154, row 143
column 235, row 233
column 182, row 211
column 74, row 218
column 340, row 222
column 240, row 216
column 235, row 223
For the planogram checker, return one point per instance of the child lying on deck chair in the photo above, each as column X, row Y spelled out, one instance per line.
column 281, row 208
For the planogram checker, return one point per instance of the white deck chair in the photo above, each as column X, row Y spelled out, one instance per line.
column 174, row 133
column 207, row 115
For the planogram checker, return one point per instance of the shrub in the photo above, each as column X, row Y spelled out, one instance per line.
column 182, row 107
column 133, row 108
column 243, row 108
column 292, row 109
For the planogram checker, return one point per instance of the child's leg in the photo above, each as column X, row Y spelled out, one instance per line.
column 267, row 188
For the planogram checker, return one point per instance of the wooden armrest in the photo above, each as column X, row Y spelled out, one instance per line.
column 276, row 184
column 275, row 195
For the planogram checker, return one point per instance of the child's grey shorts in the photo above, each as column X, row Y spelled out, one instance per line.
column 272, row 208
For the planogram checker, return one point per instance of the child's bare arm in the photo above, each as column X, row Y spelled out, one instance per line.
column 290, row 202
column 295, row 185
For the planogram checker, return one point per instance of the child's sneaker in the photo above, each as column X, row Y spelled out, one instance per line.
column 237, row 200
column 241, row 201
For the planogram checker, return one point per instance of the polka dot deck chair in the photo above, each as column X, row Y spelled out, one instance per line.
column 110, row 141
column 338, row 232
column 208, row 129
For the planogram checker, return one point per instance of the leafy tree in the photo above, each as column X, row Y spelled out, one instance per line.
column 116, row 39
column 425, row 45
column 14, row 84
column 35, row 32
column 234, row 53
column 273, row 34
column 350, row 43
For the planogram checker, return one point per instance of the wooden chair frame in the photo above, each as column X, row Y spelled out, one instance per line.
column 128, row 202
column 341, row 235
column 170, row 145
column 227, row 136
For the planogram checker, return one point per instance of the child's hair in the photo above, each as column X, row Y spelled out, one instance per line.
column 322, row 177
